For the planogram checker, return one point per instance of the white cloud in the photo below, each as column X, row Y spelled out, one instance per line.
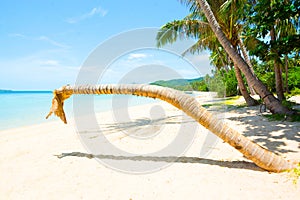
column 18, row 35
column 40, row 38
column 48, row 62
column 53, row 42
column 95, row 11
column 137, row 56
column 39, row 70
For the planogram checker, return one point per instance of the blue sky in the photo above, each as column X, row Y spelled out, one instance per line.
column 44, row 43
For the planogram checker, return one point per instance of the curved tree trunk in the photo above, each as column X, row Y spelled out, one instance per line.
column 286, row 61
column 278, row 80
column 277, row 69
column 271, row 102
column 260, row 156
column 247, row 59
column 249, row 100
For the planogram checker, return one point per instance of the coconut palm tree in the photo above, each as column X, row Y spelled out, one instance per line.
column 274, row 24
column 196, row 26
column 269, row 99
column 277, row 68
column 284, row 29
column 260, row 156
column 220, row 59
column 232, row 11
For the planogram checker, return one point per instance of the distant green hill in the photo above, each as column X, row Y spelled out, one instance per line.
column 179, row 84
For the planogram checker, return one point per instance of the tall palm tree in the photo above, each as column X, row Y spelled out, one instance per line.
column 260, row 156
column 271, row 102
column 229, row 16
column 277, row 68
column 286, row 28
column 196, row 26
column 274, row 23
column 219, row 59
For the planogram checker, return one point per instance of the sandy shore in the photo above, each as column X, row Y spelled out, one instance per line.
column 48, row 161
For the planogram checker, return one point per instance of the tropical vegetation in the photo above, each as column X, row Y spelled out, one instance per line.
column 246, row 36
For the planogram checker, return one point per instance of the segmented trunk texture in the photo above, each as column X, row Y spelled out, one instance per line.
column 260, row 156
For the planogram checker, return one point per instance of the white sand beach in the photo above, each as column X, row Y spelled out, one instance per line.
column 31, row 168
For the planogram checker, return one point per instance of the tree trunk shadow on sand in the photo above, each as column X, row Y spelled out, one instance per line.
column 169, row 159
column 273, row 135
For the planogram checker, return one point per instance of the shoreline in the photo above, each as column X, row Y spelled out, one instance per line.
column 199, row 96
column 137, row 101
column 34, row 113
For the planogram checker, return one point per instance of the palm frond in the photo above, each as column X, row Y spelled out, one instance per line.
column 181, row 29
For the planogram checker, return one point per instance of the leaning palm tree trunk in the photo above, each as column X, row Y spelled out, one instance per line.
column 260, row 156
column 247, row 59
column 249, row 100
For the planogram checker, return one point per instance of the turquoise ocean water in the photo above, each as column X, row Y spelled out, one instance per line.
column 24, row 108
